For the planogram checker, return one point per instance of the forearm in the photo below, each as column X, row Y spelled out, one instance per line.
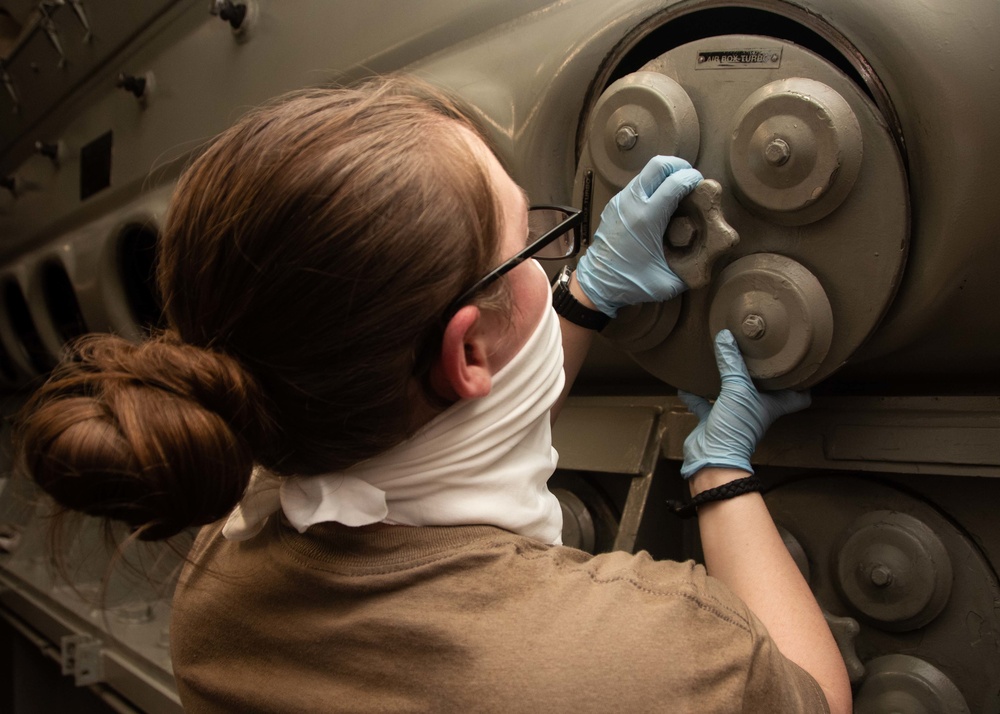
column 743, row 549
column 624, row 263
column 576, row 343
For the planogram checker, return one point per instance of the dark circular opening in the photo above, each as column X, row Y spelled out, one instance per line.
column 137, row 268
column 60, row 299
column 785, row 22
column 733, row 21
column 24, row 328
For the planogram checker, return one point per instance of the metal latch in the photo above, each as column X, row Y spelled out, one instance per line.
column 81, row 657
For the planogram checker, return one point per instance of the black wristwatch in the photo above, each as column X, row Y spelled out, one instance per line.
column 569, row 307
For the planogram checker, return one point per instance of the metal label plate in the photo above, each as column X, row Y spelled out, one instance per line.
column 743, row 58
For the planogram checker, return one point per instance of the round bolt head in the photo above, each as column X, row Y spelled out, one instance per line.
column 881, row 576
column 754, row 326
column 777, row 152
column 681, row 232
column 625, row 138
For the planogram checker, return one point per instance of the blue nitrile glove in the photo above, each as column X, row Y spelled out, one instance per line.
column 728, row 432
column 625, row 264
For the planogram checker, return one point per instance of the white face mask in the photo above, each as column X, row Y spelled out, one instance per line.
column 481, row 461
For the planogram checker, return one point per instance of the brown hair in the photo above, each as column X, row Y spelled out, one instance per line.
column 307, row 257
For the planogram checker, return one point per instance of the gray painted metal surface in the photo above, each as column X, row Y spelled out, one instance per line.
column 906, row 415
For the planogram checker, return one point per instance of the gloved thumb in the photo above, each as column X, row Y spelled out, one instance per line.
column 673, row 189
column 656, row 170
column 788, row 401
column 698, row 406
column 728, row 357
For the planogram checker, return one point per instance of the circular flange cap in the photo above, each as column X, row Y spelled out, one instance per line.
column 640, row 327
column 796, row 150
column 857, row 251
column 779, row 314
column 640, row 116
column 578, row 523
column 894, row 570
column 907, row 685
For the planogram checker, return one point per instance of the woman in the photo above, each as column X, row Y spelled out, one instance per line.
column 333, row 335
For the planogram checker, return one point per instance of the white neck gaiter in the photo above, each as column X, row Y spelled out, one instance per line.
column 481, row 461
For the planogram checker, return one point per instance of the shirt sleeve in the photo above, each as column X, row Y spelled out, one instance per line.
column 775, row 683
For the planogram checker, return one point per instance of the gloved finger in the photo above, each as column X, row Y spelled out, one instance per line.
column 673, row 189
column 728, row 357
column 698, row 406
column 656, row 170
column 788, row 401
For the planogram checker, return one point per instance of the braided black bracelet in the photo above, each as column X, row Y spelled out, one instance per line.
column 750, row 484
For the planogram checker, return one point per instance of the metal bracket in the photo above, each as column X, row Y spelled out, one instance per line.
column 81, row 657
column 612, row 435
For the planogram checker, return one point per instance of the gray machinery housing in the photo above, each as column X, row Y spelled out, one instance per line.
column 856, row 156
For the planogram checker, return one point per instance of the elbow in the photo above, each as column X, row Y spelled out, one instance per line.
column 838, row 696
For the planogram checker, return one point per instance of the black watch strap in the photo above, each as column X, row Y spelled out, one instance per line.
column 569, row 307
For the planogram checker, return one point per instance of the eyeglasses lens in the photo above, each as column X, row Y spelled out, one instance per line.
column 543, row 220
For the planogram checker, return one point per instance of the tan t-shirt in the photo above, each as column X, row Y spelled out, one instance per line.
column 464, row 619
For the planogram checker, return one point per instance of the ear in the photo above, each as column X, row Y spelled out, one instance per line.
column 462, row 370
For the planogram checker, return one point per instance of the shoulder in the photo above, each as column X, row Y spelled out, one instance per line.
column 666, row 627
column 625, row 577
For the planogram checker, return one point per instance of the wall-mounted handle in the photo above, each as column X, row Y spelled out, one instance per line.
column 232, row 12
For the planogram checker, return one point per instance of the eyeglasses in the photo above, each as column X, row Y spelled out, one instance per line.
column 553, row 234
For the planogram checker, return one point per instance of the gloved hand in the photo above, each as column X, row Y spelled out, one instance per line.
column 728, row 432
column 625, row 264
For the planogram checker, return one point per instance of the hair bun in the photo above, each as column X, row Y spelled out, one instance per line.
column 161, row 435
